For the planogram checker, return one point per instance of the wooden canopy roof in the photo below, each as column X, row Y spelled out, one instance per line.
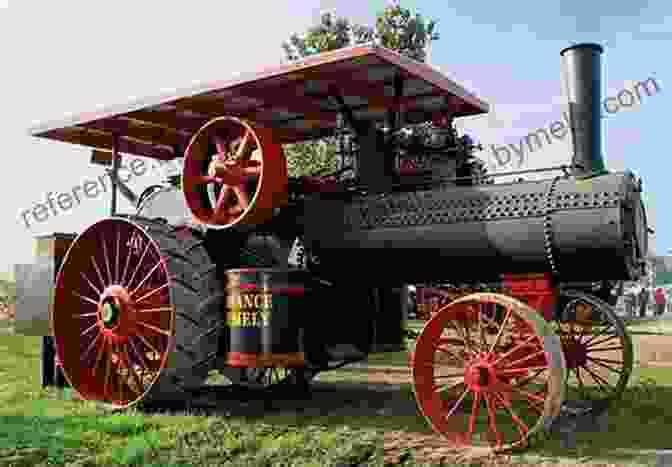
column 292, row 99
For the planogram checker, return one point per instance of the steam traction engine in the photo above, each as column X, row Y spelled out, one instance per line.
column 256, row 274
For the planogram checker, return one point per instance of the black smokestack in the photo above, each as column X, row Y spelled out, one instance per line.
column 581, row 64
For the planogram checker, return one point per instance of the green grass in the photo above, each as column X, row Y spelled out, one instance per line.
column 650, row 326
column 41, row 427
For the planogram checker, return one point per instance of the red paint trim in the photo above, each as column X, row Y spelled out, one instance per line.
column 275, row 290
column 538, row 290
column 256, row 360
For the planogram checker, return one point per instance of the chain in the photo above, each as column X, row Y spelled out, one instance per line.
column 548, row 227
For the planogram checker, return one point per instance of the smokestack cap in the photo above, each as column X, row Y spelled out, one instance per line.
column 587, row 45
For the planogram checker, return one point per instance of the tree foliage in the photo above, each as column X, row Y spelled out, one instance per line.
column 396, row 28
column 7, row 292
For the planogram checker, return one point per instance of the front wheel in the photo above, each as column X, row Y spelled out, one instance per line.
column 488, row 372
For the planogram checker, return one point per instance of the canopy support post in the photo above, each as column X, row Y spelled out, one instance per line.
column 115, row 173
column 395, row 115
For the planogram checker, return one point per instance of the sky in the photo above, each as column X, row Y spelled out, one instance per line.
column 61, row 58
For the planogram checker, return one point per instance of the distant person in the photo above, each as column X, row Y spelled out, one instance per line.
column 660, row 301
column 643, row 300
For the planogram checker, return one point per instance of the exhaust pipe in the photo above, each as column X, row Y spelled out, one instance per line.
column 581, row 65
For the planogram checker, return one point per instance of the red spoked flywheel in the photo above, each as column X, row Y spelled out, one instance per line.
column 234, row 173
column 488, row 371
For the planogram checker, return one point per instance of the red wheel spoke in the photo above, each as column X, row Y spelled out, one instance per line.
column 86, row 299
column 530, row 378
column 527, row 394
column 597, row 378
column 606, row 360
column 450, row 352
column 457, row 404
column 154, row 310
column 597, row 362
column 492, row 421
column 99, row 355
column 149, row 274
column 142, row 257
column 122, row 281
column 154, row 328
column 95, row 289
column 582, row 387
column 107, row 261
column 524, row 359
column 117, row 279
column 117, row 395
column 89, row 329
column 85, row 315
column 475, row 409
column 108, row 371
column 138, row 354
column 243, row 200
column 519, row 346
column 601, row 341
column 100, row 275
column 91, row 346
column 513, row 371
column 509, row 310
column 452, row 375
column 450, row 340
column 148, row 344
column 481, row 330
column 243, row 144
column 149, row 294
column 601, row 333
column 444, row 389
column 523, row 429
column 459, row 331
column 604, row 349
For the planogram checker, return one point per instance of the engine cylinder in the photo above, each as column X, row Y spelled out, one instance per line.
column 583, row 230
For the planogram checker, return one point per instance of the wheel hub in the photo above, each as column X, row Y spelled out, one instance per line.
column 576, row 353
column 110, row 314
column 480, row 374
column 116, row 311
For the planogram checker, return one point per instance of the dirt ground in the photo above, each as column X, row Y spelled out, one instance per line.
column 655, row 351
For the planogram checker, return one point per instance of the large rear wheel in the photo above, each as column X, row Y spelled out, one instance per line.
column 137, row 312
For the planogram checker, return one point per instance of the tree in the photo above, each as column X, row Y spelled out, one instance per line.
column 7, row 292
column 396, row 28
